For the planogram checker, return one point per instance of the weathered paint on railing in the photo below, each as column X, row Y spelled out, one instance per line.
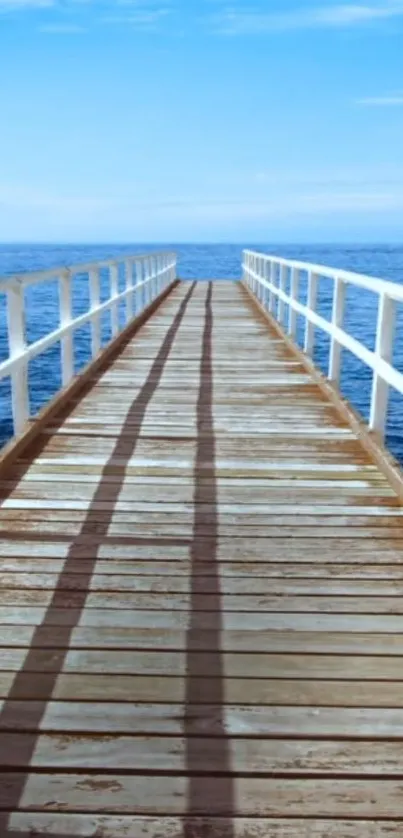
column 153, row 272
column 265, row 273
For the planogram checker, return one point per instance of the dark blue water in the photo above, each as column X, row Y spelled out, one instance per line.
column 201, row 262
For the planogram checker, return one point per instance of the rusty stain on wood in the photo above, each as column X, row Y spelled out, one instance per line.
column 201, row 618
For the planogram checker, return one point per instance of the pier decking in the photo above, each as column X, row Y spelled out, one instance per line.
column 201, row 600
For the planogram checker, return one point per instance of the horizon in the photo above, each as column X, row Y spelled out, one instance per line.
column 212, row 123
column 205, row 243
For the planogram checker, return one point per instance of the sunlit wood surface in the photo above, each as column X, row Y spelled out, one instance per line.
column 201, row 600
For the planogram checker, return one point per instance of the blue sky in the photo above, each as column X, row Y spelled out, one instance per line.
column 166, row 120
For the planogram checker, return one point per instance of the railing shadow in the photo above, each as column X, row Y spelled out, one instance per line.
column 94, row 533
column 198, row 688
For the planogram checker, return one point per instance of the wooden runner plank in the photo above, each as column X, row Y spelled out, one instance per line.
column 269, row 641
column 360, row 798
column 61, row 752
column 250, row 722
column 241, row 665
column 241, row 620
column 242, row 692
column 174, row 569
column 205, row 603
column 244, row 586
column 130, row 826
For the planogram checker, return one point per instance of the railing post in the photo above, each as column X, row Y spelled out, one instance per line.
column 247, row 268
column 17, row 345
column 139, row 276
column 273, row 280
column 114, row 289
column 150, row 278
column 154, row 272
column 129, row 284
column 164, row 263
column 339, row 296
column 174, row 268
column 166, row 277
column 251, row 282
column 261, row 276
column 383, row 351
column 65, row 319
column 95, row 319
column 159, row 264
column 292, row 314
column 145, row 286
column 282, row 286
column 266, row 276
column 253, row 270
column 146, row 274
column 311, row 304
column 257, row 283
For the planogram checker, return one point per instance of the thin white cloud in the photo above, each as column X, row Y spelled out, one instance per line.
column 342, row 15
column 142, row 19
column 61, row 29
column 17, row 5
column 381, row 101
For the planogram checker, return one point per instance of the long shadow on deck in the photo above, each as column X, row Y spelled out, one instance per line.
column 95, row 532
column 202, row 793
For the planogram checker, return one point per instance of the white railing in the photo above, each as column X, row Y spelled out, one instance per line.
column 145, row 278
column 268, row 277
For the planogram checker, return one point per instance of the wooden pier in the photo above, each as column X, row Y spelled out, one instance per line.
column 201, row 605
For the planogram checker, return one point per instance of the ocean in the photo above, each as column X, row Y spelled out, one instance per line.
column 203, row 261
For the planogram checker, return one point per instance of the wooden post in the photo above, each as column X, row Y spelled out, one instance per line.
column 129, row 284
column 114, row 290
column 273, row 280
column 311, row 304
column 282, row 287
column 383, row 351
column 292, row 314
column 339, row 296
column 139, row 277
column 95, row 320
column 65, row 320
column 173, row 268
column 261, row 276
column 17, row 346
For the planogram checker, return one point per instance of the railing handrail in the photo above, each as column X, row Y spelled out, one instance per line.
column 49, row 274
column 154, row 271
column 371, row 283
column 265, row 271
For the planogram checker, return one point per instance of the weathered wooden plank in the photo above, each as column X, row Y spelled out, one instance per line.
column 242, row 587
column 227, row 664
column 155, row 493
column 340, row 643
column 316, row 528
column 249, row 570
column 242, row 692
column 235, row 469
column 336, row 551
column 258, row 722
column 231, row 621
column 206, row 603
column 250, row 515
column 101, row 752
column 299, row 482
column 152, row 795
column 226, row 570
column 129, row 826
